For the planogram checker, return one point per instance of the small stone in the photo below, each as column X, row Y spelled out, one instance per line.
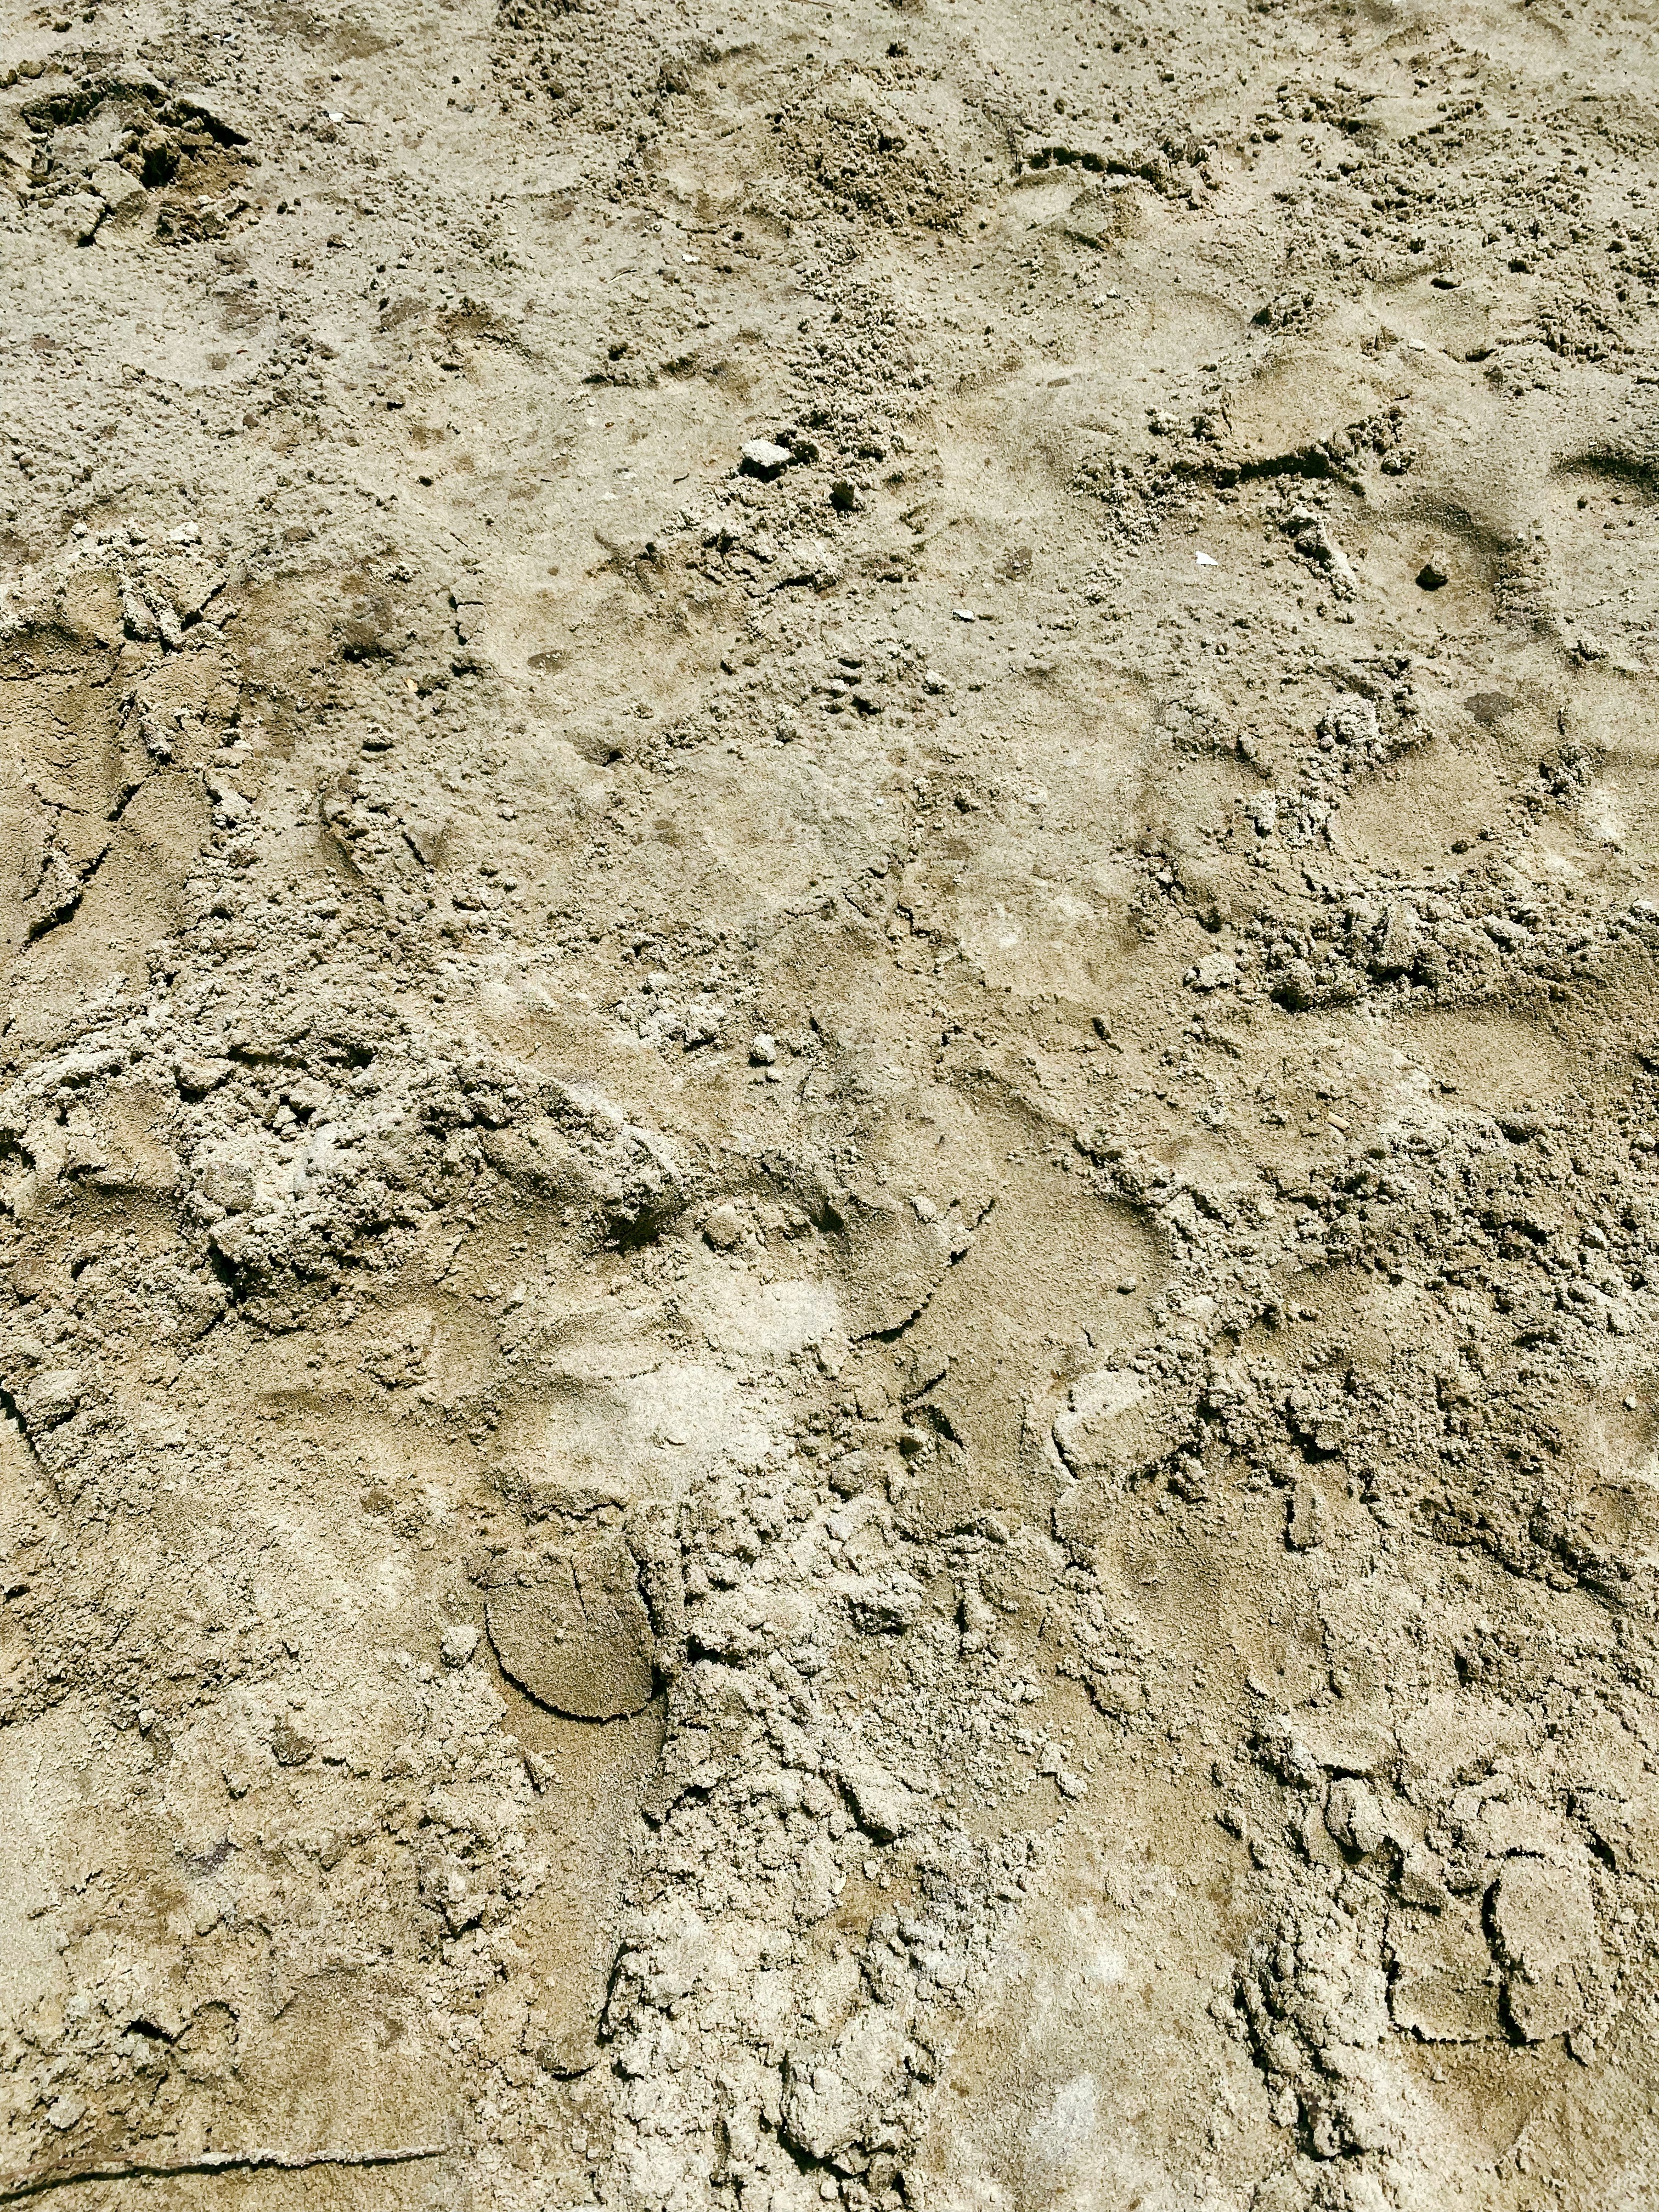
column 1355, row 1819
column 1215, row 972
column 67, row 2112
column 289, row 1748
column 460, row 1641
column 1396, row 941
column 762, row 1050
column 760, row 458
column 119, row 189
column 50, row 1398
column 1433, row 574
column 885, row 1808
column 722, row 1228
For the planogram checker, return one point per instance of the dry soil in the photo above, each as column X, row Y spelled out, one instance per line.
column 829, row 1106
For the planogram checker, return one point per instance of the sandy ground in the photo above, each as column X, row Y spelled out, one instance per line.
column 828, row 1160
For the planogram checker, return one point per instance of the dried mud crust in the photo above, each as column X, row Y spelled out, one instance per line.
column 829, row 1108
